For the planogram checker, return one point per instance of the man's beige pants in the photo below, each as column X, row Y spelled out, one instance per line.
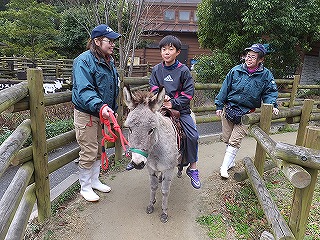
column 232, row 134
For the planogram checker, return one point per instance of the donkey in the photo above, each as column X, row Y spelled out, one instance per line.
column 153, row 142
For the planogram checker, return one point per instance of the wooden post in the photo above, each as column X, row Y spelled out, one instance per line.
column 302, row 198
column 39, row 144
column 118, row 147
column 304, row 120
column 294, row 90
column 265, row 123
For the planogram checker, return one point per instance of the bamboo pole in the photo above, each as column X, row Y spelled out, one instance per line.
column 12, row 95
column 275, row 219
column 10, row 147
column 12, row 196
column 21, row 218
column 265, row 123
column 39, row 144
column 302, row 198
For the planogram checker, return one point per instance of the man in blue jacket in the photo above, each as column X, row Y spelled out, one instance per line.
column 244, row 88
column 95, row 90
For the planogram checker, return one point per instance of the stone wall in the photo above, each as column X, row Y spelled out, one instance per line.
column 310, row 71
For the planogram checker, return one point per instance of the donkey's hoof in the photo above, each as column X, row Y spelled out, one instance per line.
column 150, row 209
column 179, row 174
column 164, row 217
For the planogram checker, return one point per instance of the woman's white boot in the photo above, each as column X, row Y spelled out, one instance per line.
column 228, row 161
column 85, row 183
column 95, row 182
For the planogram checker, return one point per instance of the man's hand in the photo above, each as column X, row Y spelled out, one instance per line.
column 219, row 113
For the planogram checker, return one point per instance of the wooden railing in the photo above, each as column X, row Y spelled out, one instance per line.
column 31, row 183
column 299, row 163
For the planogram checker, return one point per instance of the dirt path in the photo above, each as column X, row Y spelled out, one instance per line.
column 121, row 213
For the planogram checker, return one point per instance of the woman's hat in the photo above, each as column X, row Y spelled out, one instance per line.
column 257, row 47
column 104, row 30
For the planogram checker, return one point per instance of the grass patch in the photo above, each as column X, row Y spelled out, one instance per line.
column 215, row 225
column 242, row 211
column 65, row 197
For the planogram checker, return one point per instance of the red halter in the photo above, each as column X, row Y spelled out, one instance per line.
column 112, row 138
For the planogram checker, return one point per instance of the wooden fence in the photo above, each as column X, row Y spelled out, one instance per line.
column 299, row 163
column 16, row 68
column 31, row 182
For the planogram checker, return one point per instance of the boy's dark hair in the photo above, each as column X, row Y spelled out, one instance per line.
column 170, row 40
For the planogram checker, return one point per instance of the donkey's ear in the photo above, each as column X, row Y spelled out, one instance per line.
column 157, row 101
column 127, row 97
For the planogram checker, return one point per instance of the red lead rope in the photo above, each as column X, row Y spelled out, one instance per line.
column 112, row 138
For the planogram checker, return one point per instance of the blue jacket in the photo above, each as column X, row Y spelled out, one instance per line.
column 247, row 90
column 95, row 83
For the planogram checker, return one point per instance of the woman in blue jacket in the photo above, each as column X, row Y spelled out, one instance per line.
column 95, row 90
column 243, row 90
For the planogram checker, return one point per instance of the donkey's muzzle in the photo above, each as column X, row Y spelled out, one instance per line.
column 139, row 166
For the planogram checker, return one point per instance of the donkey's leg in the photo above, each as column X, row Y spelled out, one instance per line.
column 165, row 189
column 153, row 189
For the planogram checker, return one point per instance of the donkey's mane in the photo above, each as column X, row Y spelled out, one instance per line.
column 142, row 97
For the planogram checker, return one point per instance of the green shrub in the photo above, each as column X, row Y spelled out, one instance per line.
column 213, row 68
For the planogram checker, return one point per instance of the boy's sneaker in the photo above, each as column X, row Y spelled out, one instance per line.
column 130, row 166
column 194, row 175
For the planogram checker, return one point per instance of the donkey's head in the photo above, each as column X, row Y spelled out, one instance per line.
column 142, row 122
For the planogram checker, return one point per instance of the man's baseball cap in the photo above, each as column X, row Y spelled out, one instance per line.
column 257, row 47
column 104, row 30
